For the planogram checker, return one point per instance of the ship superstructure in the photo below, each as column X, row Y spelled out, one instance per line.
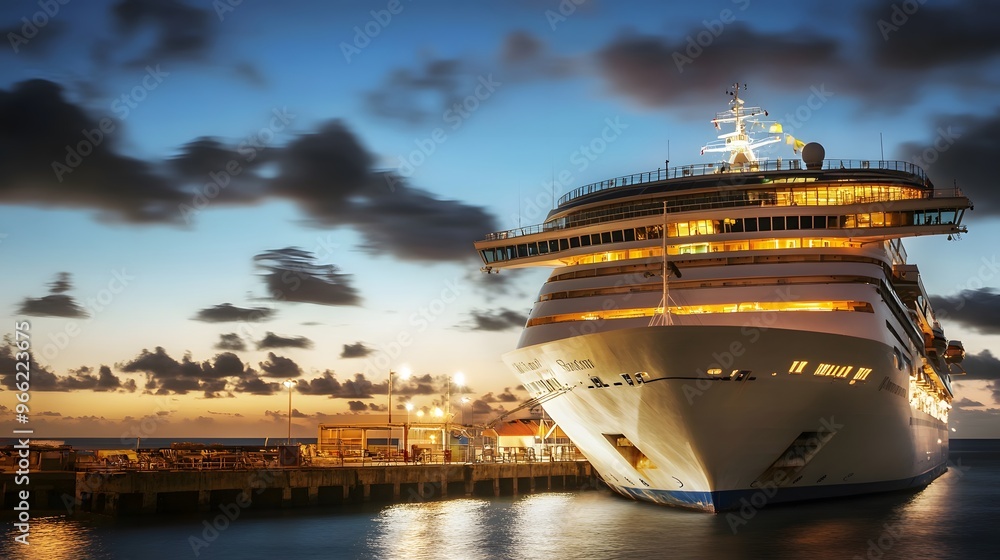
column 709, row 332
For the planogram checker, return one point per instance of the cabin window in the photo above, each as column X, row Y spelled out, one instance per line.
column 778, row 223
column 629, row 234
column 764, row 224
column 543, row 247
column 522, row 250
column 819, row 222
column 792, row 222
column 574, row 242
column 563, row 244
column 585, row 240
column 750, row 224
column 807, row 222
column 606, row 237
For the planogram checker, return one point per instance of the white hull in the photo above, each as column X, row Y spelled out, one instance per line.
column 709, row 444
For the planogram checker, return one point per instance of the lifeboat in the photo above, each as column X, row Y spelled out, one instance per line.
column 955, row 352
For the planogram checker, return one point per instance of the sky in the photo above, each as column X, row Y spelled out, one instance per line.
column 202, row 199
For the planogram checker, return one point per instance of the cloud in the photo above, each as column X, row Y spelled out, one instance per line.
column 356, row 406
column 291, row 274
column 955, row 154
column 506, row 396
column 327, row 173
column 976, row 309
column 252, row 383
column 983, row 365
column 272, row 340
column 57, row 303
column 657, row 71
column 165, row 375
column 357, row 388
column 356, row 350
column 38, row 44
column 283, row 414
column 41, row 163
column 227, row 312
column 279, row 366
column 180, row 31
column 963, row 33
column 499, row 320
column 230, row 341
column 965, row 402
column 43, row 379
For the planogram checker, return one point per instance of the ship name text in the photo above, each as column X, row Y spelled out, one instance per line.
column 892, row 388
column 523, row 367
column 576, row 365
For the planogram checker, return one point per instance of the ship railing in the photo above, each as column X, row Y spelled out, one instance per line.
column 711, row 203
column 696, row 170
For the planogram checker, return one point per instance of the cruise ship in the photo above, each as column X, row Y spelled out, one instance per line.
column 736, row 334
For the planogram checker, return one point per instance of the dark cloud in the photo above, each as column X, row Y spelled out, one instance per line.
column 983, row 365
column 966, row 402
column 975, row 309
column 357, row 388
column 57, row 304
column 230, row 341
column 657, row 71
column 227, row 312
column 279, row 366
column 283, row 414
column 356, row 406
column 356, row 350
column 84, row 379
column 62, row 283
column 165, row 375
column 328, row 174
column 180, row 31
column 41, row 142
column 252, row 383
column 506, row 396
column 22, row 40
column 955, row 153
column 399, row 96
column 272, row 340
column 499, row 320
column 43, row 379
column 932, row 36
column 291, row 274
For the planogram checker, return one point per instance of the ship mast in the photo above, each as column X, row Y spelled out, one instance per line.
column 740, row 143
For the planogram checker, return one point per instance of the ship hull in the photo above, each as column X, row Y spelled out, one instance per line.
column 717, row 417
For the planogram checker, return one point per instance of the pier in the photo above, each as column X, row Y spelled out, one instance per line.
column 134, row 488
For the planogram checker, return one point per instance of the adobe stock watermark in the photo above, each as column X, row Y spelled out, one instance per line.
column 212, row 529
column 725, row 359
column 454, row 116
column 94, row 305
column 248, row 148
column 562, row 12
column 418, row 321
column 901, row 13
column 698, row 42
column 765, row 491
column 535, row 208
column 32, row 26
column 122, row 107
column 814, row 102
column 943, row 141
column 364, row 34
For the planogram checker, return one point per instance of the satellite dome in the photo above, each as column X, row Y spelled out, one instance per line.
column 813, row 154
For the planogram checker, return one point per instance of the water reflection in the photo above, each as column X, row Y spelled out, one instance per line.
column 950, row 518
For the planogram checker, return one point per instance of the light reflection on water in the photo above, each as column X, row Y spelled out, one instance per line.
column 952, row 518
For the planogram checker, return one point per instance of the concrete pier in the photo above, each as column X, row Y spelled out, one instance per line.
column 166, row 491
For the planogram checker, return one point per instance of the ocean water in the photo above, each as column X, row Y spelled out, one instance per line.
column 957, row 516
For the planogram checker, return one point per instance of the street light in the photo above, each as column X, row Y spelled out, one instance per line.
column 405, row 372
column 406, row 429
column 289, row 384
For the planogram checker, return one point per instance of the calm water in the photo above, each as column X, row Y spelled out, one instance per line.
column 958, row 516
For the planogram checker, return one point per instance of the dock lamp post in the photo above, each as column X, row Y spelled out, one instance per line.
column 288, row 383
column 406, row 429
column 404, row 372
